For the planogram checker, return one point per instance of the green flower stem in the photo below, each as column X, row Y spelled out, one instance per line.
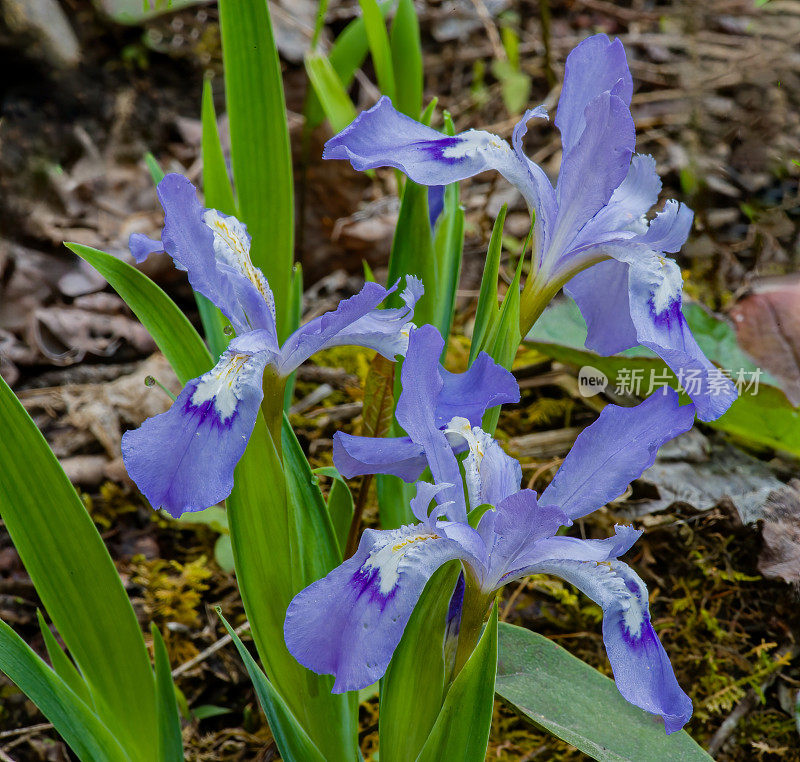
column 541, row 286
column 474, row 613
column 536, row 295
column 272, row 405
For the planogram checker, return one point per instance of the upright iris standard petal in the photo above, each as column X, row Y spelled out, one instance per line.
column 183, row 460
column 510, row 531
column 484, row 385
column 624, row 215
column 349, row 623
column 614, row 451
column 416, row 413
column 591, row 170
column 595, row 66
column 642, row 670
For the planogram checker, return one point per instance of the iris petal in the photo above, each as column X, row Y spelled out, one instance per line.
column 614, row 451
column 642, row 670
column 183, row 460
column 349, row 623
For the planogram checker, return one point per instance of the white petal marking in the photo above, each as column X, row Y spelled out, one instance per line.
column 665, row 280
column 475, row 142
column 479, row 442
column 223, row 383
column 631, row 602
column 388, row 559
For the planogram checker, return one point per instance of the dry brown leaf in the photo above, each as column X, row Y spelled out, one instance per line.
column 120, row 404
column 768, row 328
column 89, row 413
column 780, row 532
column 66, row 334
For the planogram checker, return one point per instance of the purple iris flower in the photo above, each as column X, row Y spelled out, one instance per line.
column 595, row 217
column 183, row 460
column 349, row 623
column 426, row 417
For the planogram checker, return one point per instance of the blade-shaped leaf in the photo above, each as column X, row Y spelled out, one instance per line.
column 260, row 151
column 462, row 729
column 394, row 499
column 340, row 504
column 412, row 251
column 75, row 579
column 575, row 702
column 292, row 741
column 346, row 55
column 448, row 246
column 412, row 690
column 216, row 183
column 379, row 46
column 172, row 332
column 170, row 742
column 314, row 546
column 504, row 340
column 154, row 168
column 295, row 313
column 407, row 60
column 487, row 311
column 264, row 526
column 330, row 91
column 62, row 664
column 75, row 722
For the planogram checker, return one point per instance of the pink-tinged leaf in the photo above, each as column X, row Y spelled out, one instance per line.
column 768, row 328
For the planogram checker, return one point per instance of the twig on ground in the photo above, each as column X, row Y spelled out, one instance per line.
column 498, row 51
column 512, row 599
column 212, row 649
column 30, row 729
column 314, row 398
